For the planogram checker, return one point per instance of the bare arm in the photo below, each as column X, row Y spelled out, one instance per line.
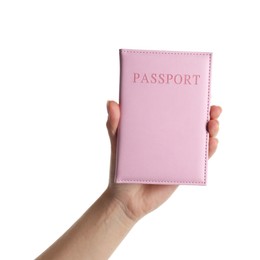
column 95, row 235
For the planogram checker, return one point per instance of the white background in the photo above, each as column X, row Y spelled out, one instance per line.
column 59, row 65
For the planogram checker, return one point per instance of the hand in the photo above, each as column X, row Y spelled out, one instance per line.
column 138, row 200
column 99, row 231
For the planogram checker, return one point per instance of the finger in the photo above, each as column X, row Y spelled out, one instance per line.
column 213, row 144
column 215, row 112
column 213, row 128
column 113, row 117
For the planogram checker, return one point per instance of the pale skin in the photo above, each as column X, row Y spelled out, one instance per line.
column 99, row 231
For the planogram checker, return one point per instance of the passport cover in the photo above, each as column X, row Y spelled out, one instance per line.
column 164, row 102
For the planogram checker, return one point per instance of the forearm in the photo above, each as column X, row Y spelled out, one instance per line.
column 95, row 235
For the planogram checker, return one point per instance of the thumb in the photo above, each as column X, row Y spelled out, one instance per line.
column 113, row 111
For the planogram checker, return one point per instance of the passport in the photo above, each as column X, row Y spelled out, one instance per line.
column 164, row 99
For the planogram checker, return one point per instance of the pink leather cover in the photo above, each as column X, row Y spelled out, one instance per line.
column 164, row 103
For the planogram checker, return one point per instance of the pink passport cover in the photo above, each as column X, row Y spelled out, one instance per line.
column 164, row 103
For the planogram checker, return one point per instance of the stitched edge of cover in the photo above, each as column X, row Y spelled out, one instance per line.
column 165, row 52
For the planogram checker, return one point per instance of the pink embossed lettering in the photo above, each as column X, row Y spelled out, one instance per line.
column 169, row 77
column 187, row 79
column 196, row 78
column 178, row 79
column 161, row 78
column 136, row 77
column 144, row 79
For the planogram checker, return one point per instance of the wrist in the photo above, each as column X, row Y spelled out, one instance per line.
column 121, row 205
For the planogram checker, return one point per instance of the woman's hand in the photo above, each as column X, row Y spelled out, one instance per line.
column 99, row 231
column 138, row 200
